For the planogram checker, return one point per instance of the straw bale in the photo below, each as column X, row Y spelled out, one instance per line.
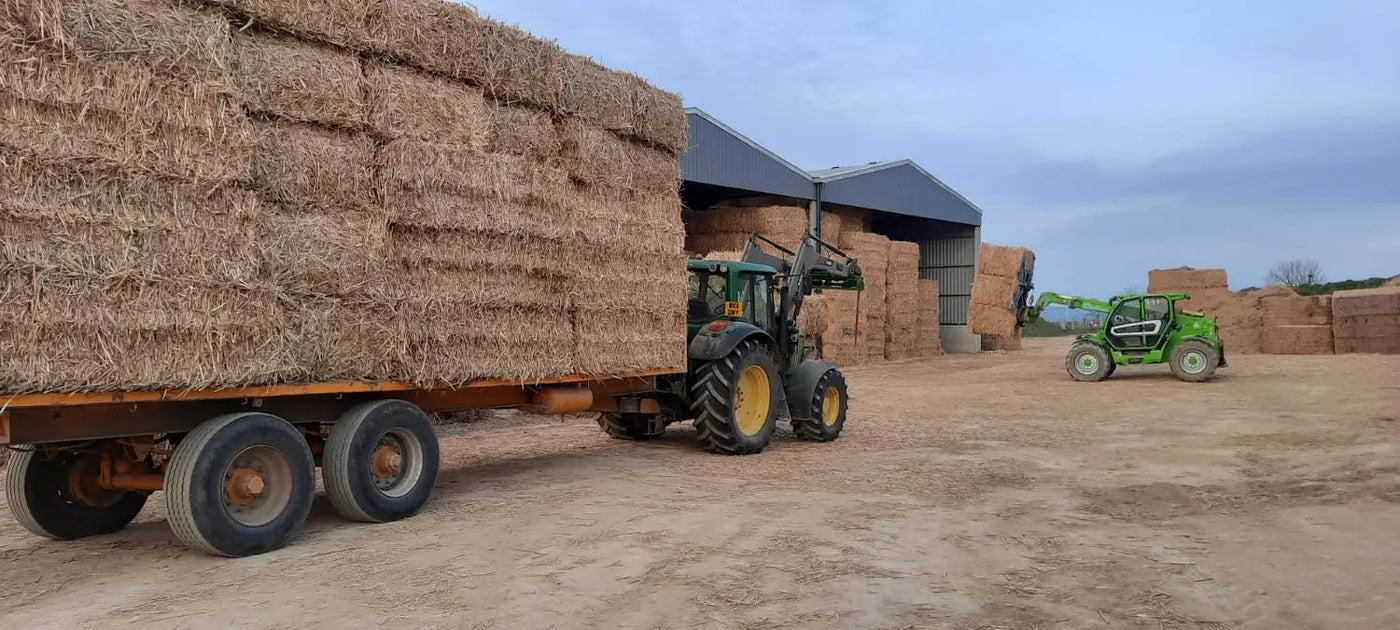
column 1006, row 343
column 304, row 165
column 1393, row 282
column 658, row 286
column 340, row 22
column 1379, row 301
column 597, row 95
column 813, row 319
column 844, row 341
column 759, row 201
column 997, row 291
column 1298, row 339
column 524, row 343
column 119, row 141
column 300, row 81
column 1297, row 310
column 531, row 133
column 852, row 218
column 901, row 300
column 164, row 35
column 402, row 102
column 731, row 256
column 330, row 253
column 472, row 251
column 611, row 341
column 122, row 87
column 928, row 342
column 1003, row 260
column 872, row 252
column 599, row 159
column 659, row 116
column 1367, row 320
column 1186, row 278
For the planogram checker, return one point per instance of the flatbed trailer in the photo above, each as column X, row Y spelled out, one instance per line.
column 238, row 465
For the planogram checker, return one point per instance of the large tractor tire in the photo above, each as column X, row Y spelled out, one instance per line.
column 630, row 426
column 59, row 498
column 735, row 400
column 1194, row 361
column 1088, row 362
column 819, row 408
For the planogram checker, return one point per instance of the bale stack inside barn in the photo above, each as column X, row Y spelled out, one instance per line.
column 1367, row 320
column 230, row 192
column 727, row 226
column 993, row 311
column 873, row 252
column 902, row 301
column 928, row 338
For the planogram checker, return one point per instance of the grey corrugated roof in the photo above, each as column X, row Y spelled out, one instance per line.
column 838, row 172
column 720, row 156
column 900, row 186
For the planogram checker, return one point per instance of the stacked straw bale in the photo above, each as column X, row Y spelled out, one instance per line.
column 812, row 321
column 872, row 251
column 843, row 341
column 998, row 343
column 994, row 289
column 902, row 300
column 1367, row 320
column 1297, row 324
column 928, row 340
column 207, row 193
column 726, row 227
column 1243, row 316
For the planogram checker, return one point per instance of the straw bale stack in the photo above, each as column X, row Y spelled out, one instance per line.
column 844, row 340
column 999, row 268
column 1297, row 310
column 928, row 340
column 726, row 227
column 1298, row 339
column 901, row 300
column 207, row 193
column 872, row 251
column 813, row 319
column 1367, row 320
column 1002, row 343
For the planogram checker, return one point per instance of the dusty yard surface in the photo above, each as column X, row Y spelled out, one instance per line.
column 968, row 492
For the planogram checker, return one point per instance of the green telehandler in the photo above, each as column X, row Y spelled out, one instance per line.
column 1144, row 329
column 748, row 363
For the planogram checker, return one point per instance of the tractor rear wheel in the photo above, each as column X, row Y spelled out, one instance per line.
column 1088, row 362
column 629, row 426
column 734, row 400
column 1194, row 361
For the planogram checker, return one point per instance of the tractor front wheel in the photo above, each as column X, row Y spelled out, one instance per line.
column 1194, row 361
column 734, row 400
column 825, row 408
column 1088, row 362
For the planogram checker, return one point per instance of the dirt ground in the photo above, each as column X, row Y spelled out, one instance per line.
column 967, row 492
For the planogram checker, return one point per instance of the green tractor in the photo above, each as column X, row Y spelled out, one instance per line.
column 748, row 362
column 1138, row 330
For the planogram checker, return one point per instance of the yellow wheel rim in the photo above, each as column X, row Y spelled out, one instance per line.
column 752, row 399
column 831, row 406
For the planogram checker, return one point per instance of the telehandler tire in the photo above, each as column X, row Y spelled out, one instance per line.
column 735, row 400
column 628, row 426
column 1088, row 362
column 1194, row 361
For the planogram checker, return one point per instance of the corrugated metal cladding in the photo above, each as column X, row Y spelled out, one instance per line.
column 901, row 188
column 952, row 261
column 721, row 156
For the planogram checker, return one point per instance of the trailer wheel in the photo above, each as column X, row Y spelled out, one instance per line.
column 59, row 498
column 240, row 484
column 381, row 461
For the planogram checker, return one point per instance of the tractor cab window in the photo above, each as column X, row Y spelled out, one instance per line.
column 1124, row 325
column 762, row 303
column 707, row 296
column 1156, row 308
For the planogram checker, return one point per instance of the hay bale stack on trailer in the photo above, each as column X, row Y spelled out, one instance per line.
column 404, row 205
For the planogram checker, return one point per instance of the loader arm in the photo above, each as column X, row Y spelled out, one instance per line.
column 1048, row 298
column 816, row 264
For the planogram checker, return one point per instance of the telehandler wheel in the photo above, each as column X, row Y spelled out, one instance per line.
column 1088, row 362
column 240, row 484
column 59, row 498
column 735, row 400
column 381, row 461
column 1194, row 361
column 629, row 426
column 826, row 410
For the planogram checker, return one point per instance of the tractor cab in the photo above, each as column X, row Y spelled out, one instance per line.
column 730, row 291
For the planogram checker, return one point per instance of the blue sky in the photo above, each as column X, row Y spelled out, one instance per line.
column 1111, row 137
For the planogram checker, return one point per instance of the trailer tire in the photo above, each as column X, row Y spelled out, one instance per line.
column 381, row 461
column 735, row 400
column 38, row 492
column 629, row 426
column 216, row 505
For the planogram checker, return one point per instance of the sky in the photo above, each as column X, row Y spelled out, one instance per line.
column 1110, row 137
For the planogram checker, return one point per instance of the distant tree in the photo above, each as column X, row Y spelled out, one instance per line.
column 1129, row 291
column 1296, row 273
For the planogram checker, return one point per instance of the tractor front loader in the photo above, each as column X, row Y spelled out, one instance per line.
column 748, row 363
